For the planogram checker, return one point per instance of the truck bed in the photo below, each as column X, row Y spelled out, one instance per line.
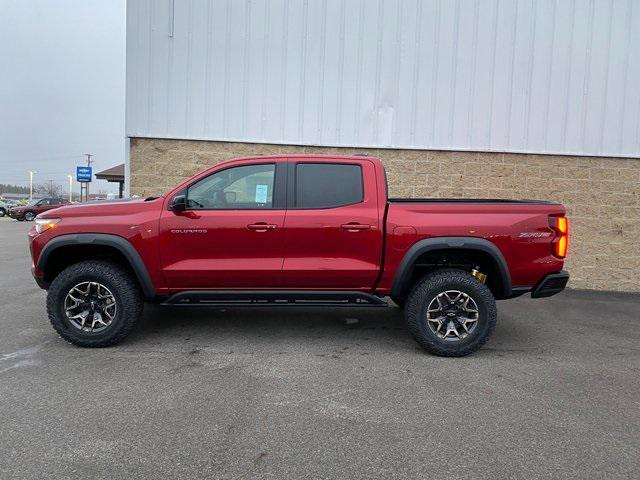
column 470, row 200
column 518, row 228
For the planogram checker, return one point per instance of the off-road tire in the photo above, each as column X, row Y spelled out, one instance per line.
column 29, row 216
column 3, row 212
column 120, row 282
column 426, row 289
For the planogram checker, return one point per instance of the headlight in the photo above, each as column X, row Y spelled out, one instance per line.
column 43, row 224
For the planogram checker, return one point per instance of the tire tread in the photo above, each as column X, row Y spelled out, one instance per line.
column 128, row 291
column 441, row 279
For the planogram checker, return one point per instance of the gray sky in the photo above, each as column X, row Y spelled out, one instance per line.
column 61, row 88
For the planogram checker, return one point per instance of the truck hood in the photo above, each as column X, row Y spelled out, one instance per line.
column 104, row 207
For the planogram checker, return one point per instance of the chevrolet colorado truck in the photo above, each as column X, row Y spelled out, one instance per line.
column 297, row 231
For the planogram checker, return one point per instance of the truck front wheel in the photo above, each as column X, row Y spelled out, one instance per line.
column 94, row 303
column 450, row 313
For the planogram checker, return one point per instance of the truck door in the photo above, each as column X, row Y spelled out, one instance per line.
column 333, row 236
column 231, row 233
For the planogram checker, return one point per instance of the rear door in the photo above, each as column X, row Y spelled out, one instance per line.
column 333, row 237
column 231, row 235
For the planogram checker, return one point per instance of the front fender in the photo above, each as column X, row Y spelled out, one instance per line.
column 121, row 244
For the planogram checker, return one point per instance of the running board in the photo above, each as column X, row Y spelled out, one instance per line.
column 279, row 298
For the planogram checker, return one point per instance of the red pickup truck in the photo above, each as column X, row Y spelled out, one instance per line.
column 297, row 231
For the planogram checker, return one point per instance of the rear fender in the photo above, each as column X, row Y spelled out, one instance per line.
column 401, row 282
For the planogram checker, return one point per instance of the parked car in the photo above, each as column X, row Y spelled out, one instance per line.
column 4, row 207
column 29, row 212
column 297, row 231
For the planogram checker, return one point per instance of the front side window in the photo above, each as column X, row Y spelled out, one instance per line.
column 326, row 185
column 246, row 187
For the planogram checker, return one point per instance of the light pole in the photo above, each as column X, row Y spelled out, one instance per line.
column 31, row 185
column 86, row 185
column 70, row 186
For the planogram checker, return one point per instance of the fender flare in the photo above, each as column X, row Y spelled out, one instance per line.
column 119, row 243
column 403, row 274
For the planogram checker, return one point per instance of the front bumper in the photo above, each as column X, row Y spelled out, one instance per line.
column 38, row 275
column 42, row 283
column 550, row 285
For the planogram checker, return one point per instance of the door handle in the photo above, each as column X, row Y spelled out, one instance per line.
column 355, row 227
column 261, row 227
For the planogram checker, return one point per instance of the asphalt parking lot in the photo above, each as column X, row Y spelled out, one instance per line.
column 318, row 394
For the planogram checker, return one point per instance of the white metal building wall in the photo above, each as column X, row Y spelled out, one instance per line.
column 541, row 76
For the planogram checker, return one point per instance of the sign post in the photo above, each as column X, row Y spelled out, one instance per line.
column 83, row 176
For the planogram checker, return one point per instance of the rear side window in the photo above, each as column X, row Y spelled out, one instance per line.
column 325, row 185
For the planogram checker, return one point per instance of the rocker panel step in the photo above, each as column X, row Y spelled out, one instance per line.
column 279, row 298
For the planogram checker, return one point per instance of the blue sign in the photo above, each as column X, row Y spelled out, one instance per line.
column 83, row 174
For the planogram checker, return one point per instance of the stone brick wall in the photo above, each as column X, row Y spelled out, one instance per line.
column 602, row 195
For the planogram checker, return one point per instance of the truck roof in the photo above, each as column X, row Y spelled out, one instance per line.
column 316, row 156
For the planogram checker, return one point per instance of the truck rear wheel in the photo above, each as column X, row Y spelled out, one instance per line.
column 94, row 303
column 450, row 313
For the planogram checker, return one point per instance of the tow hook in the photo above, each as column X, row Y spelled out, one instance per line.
column 481, row 277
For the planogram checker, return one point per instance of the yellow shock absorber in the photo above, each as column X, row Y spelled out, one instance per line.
column 479, row 275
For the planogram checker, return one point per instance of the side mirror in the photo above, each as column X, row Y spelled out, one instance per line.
column 178, row 203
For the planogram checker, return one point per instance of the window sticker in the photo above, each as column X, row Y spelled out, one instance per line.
column 261, row 193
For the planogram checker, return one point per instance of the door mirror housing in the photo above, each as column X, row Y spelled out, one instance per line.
column 178, row 203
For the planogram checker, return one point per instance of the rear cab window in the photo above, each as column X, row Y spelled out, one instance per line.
column 327, row 185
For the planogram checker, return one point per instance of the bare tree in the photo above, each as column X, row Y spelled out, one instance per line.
column 48, row 189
